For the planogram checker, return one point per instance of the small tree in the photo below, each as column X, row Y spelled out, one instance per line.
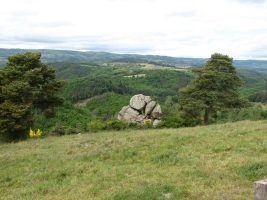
column 26, row 85
column 215, row 88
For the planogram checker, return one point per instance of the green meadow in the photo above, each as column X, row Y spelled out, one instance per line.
column 205, row 162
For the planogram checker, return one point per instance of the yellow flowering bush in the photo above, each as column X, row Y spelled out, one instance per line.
column 147, row 121
column 35, row 134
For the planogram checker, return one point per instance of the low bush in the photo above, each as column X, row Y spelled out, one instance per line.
column 176, row 120
column 253, row 112
column 116, row 125
column 96, row 125
column 71, row 131
column 60, row 130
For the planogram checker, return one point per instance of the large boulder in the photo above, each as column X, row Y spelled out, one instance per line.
column 139, row 108
column 156, row 112
column 128, row 114
column 149, row 107
column 122, row 112
column 156, row 122
column 138, row 102
column 147, row 99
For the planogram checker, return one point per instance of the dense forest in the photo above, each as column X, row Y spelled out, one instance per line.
column 105, row 88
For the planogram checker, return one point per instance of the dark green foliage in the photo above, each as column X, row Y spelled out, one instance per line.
column 254, row 82
column 173, row 117
column 60, row 130
column 157, row 83
column 99, row 125
column 116, row 125
column 66, row 70
column 15, row 119
column 108, row 105
column 177, row 120
column 254, row 79
column 252, row 112
column 89, row 87
column 68, row 116
column 215, row 87
column 26, row 85
column 259, row 97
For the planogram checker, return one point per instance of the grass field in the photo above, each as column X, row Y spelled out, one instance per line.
column 214, row 162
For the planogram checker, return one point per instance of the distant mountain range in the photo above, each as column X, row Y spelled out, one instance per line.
column 51, row 56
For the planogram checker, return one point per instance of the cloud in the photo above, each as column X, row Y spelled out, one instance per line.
column 169, row 27
column 189, row 13
column 260, row 52
column 252, row 1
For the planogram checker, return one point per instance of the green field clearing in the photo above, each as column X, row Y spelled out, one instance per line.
column 212, row 162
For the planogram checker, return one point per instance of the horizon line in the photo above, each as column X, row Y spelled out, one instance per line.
column 127, row 53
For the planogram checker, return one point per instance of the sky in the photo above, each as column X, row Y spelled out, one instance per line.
column 181, row 28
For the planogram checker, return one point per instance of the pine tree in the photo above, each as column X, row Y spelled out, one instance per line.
column 215, row 88
column 26, row 85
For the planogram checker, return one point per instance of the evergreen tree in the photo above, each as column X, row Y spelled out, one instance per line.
column 26, row 85
column 215, row 88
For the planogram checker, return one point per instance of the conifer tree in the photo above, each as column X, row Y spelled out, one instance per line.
column 26, row 85
column 215, row 88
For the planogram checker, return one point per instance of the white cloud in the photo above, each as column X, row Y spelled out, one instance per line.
column 170, row 27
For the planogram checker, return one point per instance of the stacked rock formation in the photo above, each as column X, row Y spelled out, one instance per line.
column 141, row 107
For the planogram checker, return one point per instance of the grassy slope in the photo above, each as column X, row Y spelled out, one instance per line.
column 214, row 162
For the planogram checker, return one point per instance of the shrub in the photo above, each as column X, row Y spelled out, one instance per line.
column 134, row 125
column 116, row 125
column 72, row 131
column 96, row 125
column 254, row 112
column 58, row 130
column 177, row 119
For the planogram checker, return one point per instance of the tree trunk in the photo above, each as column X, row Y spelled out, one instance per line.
column 206, row 117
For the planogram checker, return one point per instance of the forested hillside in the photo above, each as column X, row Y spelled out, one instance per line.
column 101, row 90
column 94, row 92
column 105, row 57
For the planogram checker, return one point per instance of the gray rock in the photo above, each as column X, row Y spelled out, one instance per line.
column 122, row 112
column 156, row 112
column 138, row 102
column 156, row 122
column 129, row 114
column 147, row 99
column 141, row 107
column 140, row 118
column 149, row 107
